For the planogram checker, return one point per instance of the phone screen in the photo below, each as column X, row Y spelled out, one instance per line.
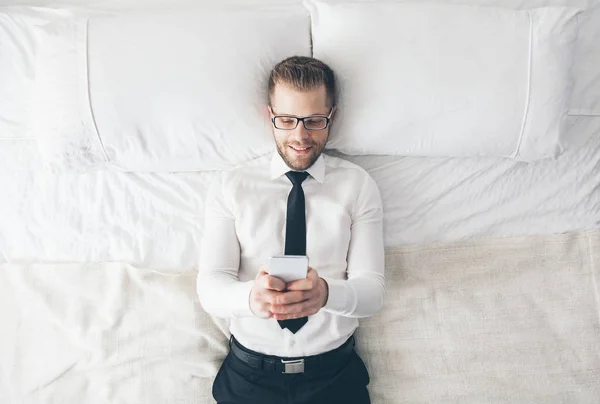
column 288, row 268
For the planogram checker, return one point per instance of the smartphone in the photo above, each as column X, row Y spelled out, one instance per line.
column 288, row 268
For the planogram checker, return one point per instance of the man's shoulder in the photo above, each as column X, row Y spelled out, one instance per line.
column 333, row 163
column 355, row 182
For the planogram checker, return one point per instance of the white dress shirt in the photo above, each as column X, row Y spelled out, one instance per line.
column 245, row 225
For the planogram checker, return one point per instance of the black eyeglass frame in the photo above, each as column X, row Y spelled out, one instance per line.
column 298, row 119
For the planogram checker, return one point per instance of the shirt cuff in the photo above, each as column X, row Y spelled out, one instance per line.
column 241, row 293
column 337, row 300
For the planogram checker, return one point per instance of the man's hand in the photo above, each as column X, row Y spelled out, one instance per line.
column 265, row 291
column 303, row 297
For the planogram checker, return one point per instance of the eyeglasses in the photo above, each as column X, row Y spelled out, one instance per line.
column 313, row 122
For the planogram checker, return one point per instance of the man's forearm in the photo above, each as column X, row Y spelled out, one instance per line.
column 358, row 297
column 222, row 295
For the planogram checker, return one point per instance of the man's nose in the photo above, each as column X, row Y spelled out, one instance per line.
column 301, row 132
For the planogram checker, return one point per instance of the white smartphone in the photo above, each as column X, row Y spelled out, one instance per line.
column 288, row 268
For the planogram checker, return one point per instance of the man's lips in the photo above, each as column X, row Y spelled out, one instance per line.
column 300, row 149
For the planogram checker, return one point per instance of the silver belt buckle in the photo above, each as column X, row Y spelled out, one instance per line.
column 293, row 366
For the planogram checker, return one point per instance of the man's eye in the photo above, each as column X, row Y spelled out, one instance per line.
column 287, row 121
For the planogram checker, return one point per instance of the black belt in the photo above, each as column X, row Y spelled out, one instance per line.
column 278, row 364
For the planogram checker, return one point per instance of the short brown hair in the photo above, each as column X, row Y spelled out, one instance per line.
column 303, row 73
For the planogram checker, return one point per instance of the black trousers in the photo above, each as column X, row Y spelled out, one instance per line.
column 238, row 383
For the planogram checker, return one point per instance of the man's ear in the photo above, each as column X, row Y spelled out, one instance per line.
column 266, row 109
column 333, row 112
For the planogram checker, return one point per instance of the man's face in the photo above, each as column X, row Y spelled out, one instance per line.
column 300, row 147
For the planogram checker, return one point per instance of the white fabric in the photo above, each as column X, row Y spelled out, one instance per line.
column 104, row 333
column 433, row 199
column 179, row 91
column 155, row 220
column 145, row 151
column 509, row 321
column 246, row 224
column 19, row 47
column 585, row 99
column 17, row 72
column 586, row 69
column 447, row 80
column 463, row 323
column 63, row 119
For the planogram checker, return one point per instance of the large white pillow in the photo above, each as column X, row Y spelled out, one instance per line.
column 447, row 80
column 19, row 46
column 17, row 72
column 165, row 91
column 585, row 99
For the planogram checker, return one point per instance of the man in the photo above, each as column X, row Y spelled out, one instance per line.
column 293, row 343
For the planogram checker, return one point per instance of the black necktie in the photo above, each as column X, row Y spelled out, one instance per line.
column 295, row 233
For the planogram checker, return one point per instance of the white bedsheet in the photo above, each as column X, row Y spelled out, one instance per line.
column 155, row 220
column 428, row 200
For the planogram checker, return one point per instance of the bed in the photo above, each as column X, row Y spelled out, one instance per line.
column 492, row 263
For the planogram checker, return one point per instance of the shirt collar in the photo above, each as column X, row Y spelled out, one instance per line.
column 279, row 168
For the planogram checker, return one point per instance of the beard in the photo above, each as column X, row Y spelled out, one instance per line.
column 300, row 162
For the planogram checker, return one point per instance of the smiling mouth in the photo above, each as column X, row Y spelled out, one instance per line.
column 300, row 150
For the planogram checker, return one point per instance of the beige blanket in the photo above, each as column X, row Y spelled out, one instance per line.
column 489, row 321
column 494, row 321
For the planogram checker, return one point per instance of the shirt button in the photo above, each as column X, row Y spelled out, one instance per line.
column 292, row 343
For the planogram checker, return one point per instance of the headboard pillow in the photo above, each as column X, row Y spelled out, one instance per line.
column 428, row 79
column 164, row 91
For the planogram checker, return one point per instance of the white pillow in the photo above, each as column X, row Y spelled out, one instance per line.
column 447, row 80
column 17, row 72
column 176, row 91
column 63, row 121
column 18, row 47
column 585, row 99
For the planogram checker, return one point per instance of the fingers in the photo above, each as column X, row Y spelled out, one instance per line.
column 291, row 316
column 261, row 272
column 264, row 293
column 306, row 307
column 296, row 310
column 292, row 297
column 308, row 283
column 266, row 281
column 272, row 298
column 274, row 283
column 290, row 309
column 261, row 309
column 301, row 284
